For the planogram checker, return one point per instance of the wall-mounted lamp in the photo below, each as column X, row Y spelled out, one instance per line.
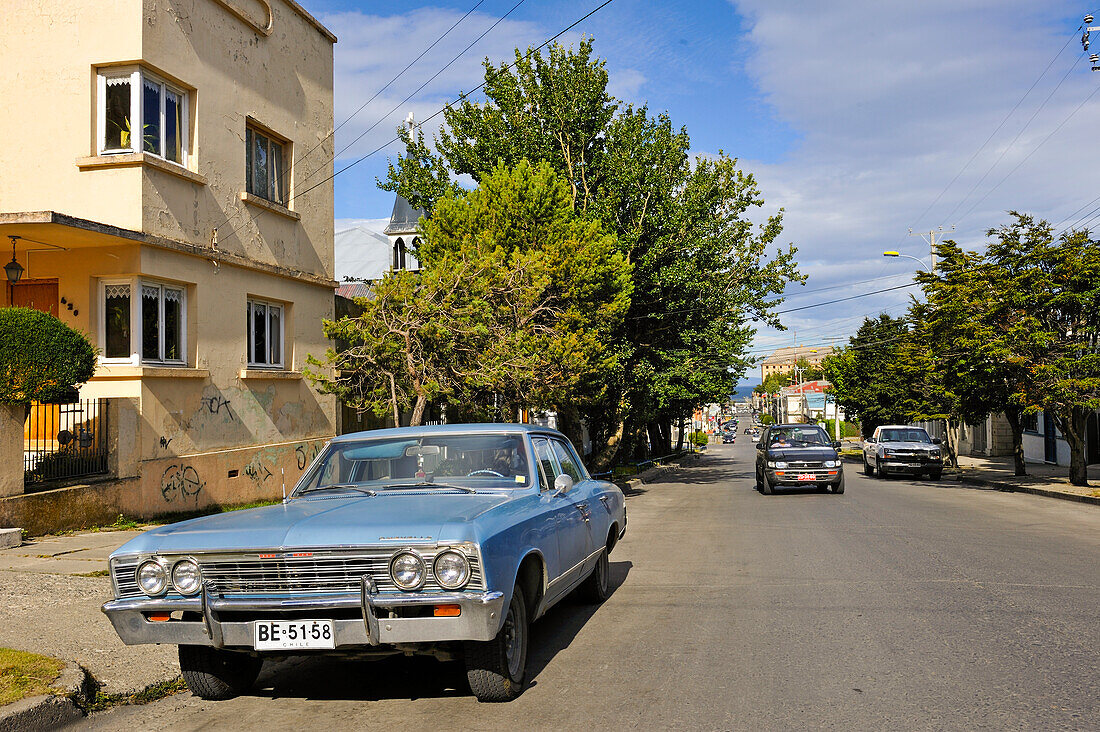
column 13, row 269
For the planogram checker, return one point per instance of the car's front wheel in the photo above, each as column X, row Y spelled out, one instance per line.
column 868, row 469
column 879, row 469
column 495, row 669
column 768, row 486
column 216, row 674
column 839, row 486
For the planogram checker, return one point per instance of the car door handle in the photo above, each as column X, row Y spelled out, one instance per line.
column 583, row 508
column 605, row 499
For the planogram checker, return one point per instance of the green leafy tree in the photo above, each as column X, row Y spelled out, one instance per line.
column 971, row 334
column 701, row 271
column 1048, row 307
column 874, row 377
column 41, row 358
column 512, row 306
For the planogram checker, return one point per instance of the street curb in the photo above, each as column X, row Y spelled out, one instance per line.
column 647, row 475
column 1014, row 488
column 1010, row 487
column 50, row 711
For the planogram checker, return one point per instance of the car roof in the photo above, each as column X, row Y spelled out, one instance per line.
column 898, row 427
column 449, row 429
column 796, row 424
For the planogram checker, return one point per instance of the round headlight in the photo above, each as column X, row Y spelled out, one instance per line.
column 407, row 571
column 452, row 571
column 151, row 578
column 186, row 577
column 780, row 465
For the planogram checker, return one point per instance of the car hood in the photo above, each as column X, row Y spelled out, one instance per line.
column 409, row 517
column 908, row 446
column 802, row 453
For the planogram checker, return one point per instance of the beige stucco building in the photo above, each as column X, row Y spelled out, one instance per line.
column 783, row 360
column 198, row 254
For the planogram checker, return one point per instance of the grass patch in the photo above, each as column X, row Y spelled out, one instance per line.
column 120, row 524
column 25, row 674
column 254, row 504
column 149, row 694
column 97, row 573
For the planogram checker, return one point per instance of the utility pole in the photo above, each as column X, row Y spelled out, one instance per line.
column 931, row 240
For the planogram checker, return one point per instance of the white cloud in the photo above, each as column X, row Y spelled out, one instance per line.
column 889, row 106
column 373, row 49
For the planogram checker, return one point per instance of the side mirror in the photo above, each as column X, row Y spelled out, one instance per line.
column 937, row 441
column 870, row 440
column 836, row 445
column 563, row 483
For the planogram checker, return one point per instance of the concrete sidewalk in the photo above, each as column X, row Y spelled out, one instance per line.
column 52, row 588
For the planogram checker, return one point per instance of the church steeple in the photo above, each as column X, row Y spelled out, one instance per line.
column 402, row 227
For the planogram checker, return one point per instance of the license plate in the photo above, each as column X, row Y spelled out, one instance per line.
column 914, row 465
column 274, row 635
column 807, row 476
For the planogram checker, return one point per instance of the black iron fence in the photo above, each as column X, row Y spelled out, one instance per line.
column 63, row 441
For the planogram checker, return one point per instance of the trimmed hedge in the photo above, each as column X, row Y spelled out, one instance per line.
column 41, row 358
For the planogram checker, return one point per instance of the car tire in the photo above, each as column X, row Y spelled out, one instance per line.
column 868, row 469
column 216, row 674
column 839, row 487
column 768, row 487
column 879, row 470
column 495, row 669
column 935, row 475
column 759, row 483
column 596, row 587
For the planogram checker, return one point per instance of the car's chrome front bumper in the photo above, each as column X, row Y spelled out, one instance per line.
column 479, row 618
column 822, row 476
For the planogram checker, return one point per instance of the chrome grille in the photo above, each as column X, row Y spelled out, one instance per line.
column 299, row 572
column 800, row 464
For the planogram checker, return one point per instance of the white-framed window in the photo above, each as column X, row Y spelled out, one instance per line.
column 142, row 321
column 265, row 333
column 132, row 100
column 267, row 165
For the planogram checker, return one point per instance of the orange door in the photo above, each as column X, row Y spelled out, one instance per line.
column 37, row 294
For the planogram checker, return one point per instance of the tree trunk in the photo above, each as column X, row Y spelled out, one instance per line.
column 605, row 457
column 569, row 424
column 1012, row 414
column 1073, row 426
column 659, row 439
column 418, row 410
column 949, row 444
column 679, row 435
column 393, row 397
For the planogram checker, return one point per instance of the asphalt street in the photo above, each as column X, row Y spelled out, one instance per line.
column 897, row 605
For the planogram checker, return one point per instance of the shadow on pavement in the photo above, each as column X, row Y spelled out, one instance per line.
column 325, row 677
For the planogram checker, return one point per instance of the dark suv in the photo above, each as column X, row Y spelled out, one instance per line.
column 798, row 454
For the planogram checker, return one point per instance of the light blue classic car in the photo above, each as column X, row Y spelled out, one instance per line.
column 446, row 541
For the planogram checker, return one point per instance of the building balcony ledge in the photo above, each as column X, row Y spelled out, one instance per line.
column 269, row 374
column 127, row 371
column 130, row 160
column 270, row 206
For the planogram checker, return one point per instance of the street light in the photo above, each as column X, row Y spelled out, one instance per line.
column 907, row 256
column 13, row 269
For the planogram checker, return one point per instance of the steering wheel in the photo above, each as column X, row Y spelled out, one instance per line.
column 484, row 471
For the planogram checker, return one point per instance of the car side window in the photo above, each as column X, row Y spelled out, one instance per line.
column 565, row 459
column 547, row 471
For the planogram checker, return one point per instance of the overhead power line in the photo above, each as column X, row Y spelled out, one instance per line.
column 435, row 114
column 846, row 299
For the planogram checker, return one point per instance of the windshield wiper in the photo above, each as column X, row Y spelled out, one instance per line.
column 341, row 486
column 429, row 484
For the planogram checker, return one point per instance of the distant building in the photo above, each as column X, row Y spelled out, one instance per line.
column 783, row 360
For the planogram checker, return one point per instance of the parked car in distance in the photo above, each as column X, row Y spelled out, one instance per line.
column 798, row 455
column 903, row 450
column 447, row 541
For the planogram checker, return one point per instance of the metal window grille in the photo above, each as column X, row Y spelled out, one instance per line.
column 65, row 441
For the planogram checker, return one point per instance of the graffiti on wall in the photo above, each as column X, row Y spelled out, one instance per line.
column 257, row 471
column 306, row 453
column 180, row 482
column 217, row 404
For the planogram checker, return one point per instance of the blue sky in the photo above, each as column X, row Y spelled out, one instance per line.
column 854, row 115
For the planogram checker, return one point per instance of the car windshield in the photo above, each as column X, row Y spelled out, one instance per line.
column 914, row 434
column 451, row 461
column 798, row 437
